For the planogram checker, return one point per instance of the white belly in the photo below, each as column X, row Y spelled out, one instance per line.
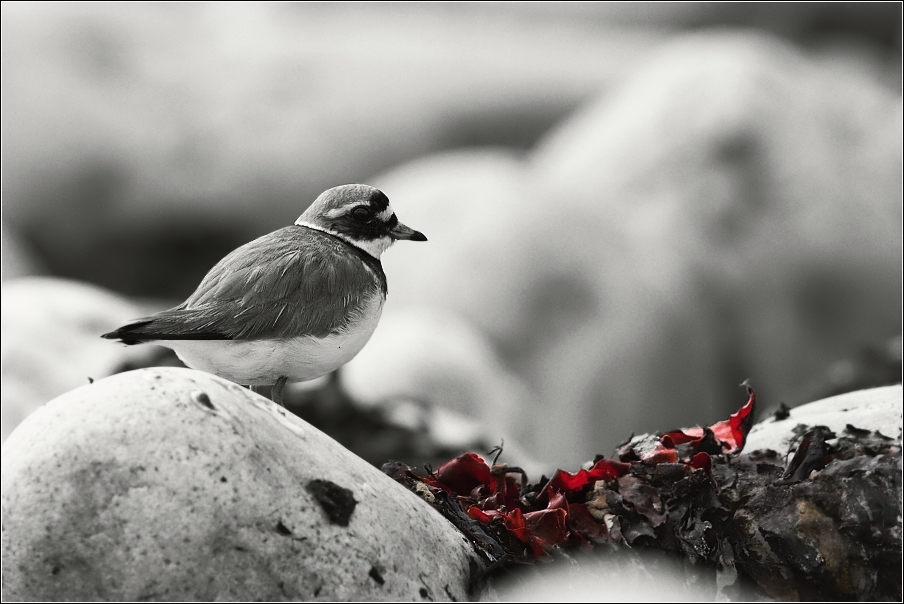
column 262, row 362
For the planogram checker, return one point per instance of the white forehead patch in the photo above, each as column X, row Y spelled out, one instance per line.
column 386, row 214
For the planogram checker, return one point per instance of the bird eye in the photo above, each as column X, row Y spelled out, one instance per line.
column 362, row 213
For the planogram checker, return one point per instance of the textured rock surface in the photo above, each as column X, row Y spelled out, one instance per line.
column 51, row 342
column 874, row 409
column 169, row 484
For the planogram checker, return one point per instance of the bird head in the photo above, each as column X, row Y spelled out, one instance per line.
column 360, row 215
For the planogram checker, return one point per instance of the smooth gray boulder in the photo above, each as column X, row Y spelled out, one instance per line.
column 171, row 484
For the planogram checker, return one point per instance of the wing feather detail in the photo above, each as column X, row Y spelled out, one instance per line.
column 293, row 281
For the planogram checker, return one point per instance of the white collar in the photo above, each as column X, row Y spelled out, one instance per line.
column 372, row 247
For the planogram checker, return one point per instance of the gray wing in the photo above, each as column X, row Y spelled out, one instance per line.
column 293, row 281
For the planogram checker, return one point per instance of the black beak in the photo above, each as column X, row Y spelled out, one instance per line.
column 400, row 231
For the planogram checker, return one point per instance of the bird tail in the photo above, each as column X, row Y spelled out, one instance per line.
column 133, row 333
column 174, row 324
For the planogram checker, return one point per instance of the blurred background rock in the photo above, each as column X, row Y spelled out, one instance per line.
column 631, row 207
column 50, row 344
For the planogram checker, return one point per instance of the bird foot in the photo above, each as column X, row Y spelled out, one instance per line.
column 276, row 393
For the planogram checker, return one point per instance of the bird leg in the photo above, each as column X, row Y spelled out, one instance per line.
column 276, row 393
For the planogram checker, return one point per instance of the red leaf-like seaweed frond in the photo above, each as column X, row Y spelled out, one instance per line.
column 465, row 473
column 482, row 500
column 604, row 469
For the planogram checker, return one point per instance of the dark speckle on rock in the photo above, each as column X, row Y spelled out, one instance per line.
column 201, row 398
column 282, row 529
column 338, row 502
column 783, row 412
column 425, row 591
column 376, row 575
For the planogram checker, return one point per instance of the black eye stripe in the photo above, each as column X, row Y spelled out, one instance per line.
column 378, row 201
column 392, row 221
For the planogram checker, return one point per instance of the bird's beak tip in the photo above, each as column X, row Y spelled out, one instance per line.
column 400, row 231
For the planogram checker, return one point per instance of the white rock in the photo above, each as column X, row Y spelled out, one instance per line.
column 172, row 484
column 877, row 409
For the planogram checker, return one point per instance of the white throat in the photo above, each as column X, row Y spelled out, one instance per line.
column 373, row 247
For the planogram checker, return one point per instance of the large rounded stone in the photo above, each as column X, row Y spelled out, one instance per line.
column 171, row 484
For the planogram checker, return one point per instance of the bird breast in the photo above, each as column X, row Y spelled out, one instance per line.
column 300, row 358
